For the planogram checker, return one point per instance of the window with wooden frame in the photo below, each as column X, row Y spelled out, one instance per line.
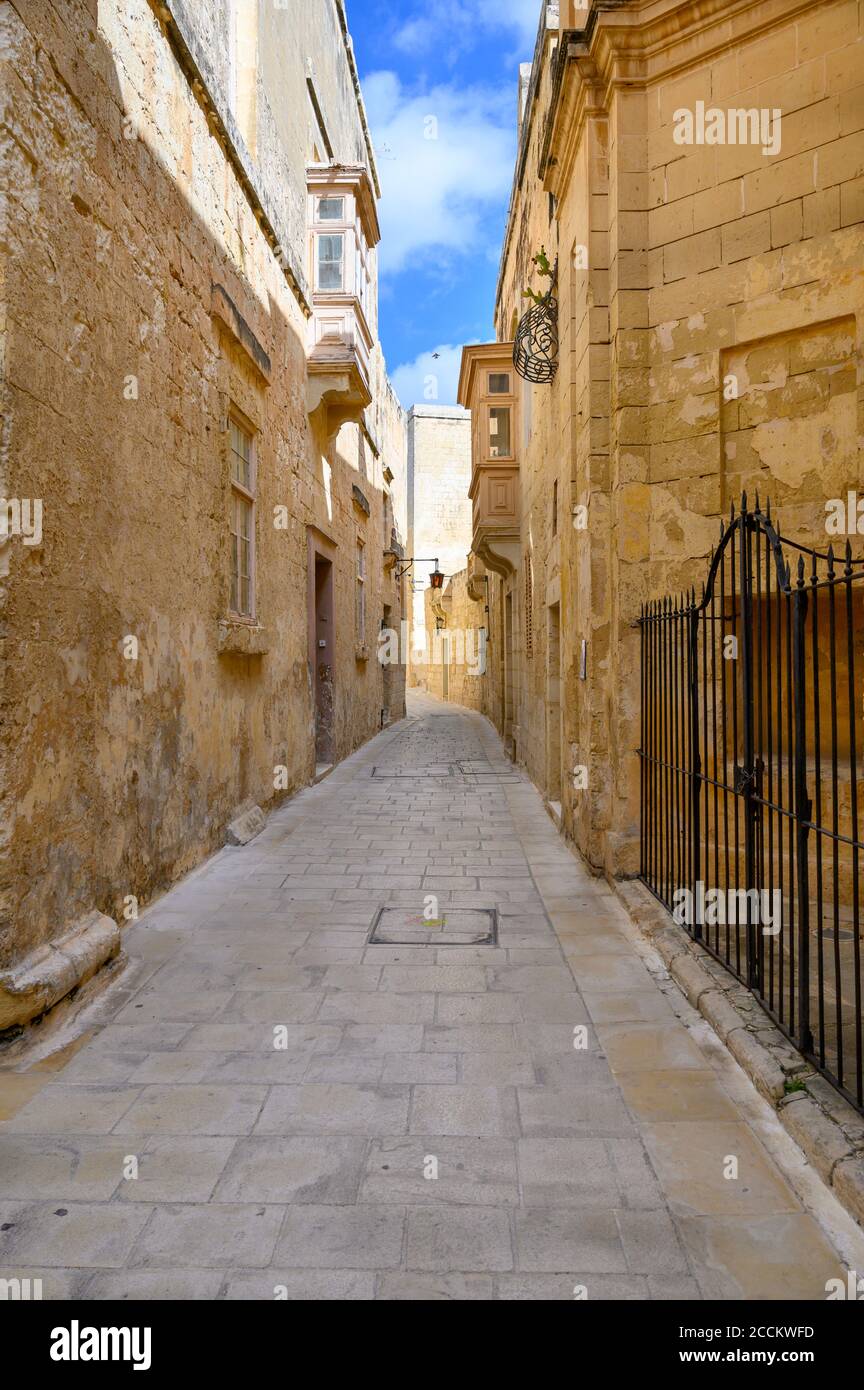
column 529, row 606
column 360, row 612
column 500, row 446
column 242, row 457
column 343, row 263
column 330, row 261
column 330, row 208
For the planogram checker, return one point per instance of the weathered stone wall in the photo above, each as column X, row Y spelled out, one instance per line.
column 458, row 645
column 122, row 212
column 681, row 267
column 546, row 446
column 439, row 512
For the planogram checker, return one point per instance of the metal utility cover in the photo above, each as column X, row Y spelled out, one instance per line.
column 480, row 771
column 463, row 926
column 435, row 770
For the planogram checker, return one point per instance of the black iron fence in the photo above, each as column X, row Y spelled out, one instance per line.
column 752, row 727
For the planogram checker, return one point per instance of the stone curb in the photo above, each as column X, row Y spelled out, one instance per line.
column 50, row 972
column 248, row 823
column 828, row 1130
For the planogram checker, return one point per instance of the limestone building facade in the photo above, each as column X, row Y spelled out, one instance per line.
column 196, row 403
column 439, row 517
column 709, row 342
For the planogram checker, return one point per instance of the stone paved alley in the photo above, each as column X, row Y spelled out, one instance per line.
column 305, row 1170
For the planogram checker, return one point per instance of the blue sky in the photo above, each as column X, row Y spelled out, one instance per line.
column 440, row 82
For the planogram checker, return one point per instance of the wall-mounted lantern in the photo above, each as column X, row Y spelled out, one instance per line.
column 436, row 578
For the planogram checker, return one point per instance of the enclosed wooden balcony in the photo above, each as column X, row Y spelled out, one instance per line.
column 343, row 232
column 487, row 387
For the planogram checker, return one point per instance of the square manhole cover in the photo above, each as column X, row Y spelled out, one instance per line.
column 435, row 770
column 463, row 926
column 481, row 771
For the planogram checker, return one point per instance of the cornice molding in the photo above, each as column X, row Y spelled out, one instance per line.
column 633, row 45
column 358, row 93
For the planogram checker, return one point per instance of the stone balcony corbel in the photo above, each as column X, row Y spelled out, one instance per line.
column 393, row 554
column 501, row 554
column 477, row 578
column 336, row 393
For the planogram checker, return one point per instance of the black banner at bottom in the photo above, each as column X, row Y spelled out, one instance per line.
column 156, row 1338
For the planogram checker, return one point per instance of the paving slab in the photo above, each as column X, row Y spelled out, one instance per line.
column 335, row 1108
column 464, row 1238
column 215, row 1235
column 346, row 1237
column 510, row 1100
column 182, row 1109
column 76, row 1235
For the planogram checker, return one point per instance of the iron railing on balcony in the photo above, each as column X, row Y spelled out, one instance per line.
column 752, row 726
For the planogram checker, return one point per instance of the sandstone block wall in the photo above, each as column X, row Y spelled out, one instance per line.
column 457, row 655
column 439, row 515
column 144, row 301
column 681, row 268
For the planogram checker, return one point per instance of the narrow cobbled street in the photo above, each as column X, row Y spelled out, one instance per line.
column 312, row 1114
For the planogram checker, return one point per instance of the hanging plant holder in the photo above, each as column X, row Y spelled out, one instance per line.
column 535, row 349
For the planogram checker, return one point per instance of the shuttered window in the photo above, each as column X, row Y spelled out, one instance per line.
column 529, row 606
column 242, row 601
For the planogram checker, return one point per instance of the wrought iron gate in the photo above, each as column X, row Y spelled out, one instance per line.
column 751, row 725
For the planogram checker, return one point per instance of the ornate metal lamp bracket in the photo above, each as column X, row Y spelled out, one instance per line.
column 535, row 348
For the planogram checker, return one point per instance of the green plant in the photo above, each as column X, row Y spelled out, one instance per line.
column 541, row 262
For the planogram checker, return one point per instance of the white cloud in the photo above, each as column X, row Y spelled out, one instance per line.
column 463, row 24
column 429, row 380
column 445, row 158
column 417, row 35
column 521, row 15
